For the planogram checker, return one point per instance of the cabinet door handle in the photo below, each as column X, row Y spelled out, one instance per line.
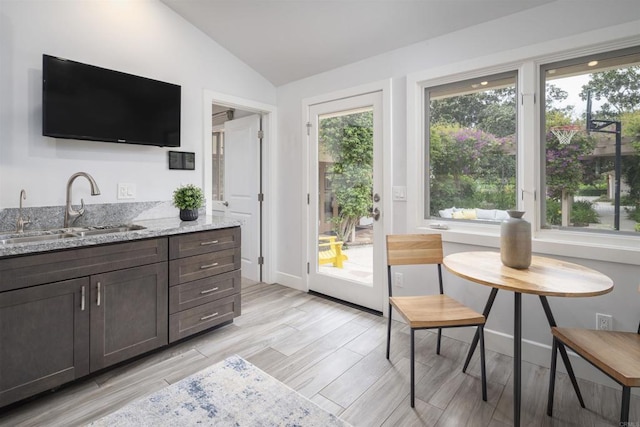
column 82, row 294
column 212, row 242
column 209, row 291
column 208, row 317
column 202, row 267
column 98, row 299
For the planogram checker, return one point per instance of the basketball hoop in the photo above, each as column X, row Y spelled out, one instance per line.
column 565, row 133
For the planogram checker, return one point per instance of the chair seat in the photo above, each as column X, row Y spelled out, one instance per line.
column 434, row 311
column 616, row 353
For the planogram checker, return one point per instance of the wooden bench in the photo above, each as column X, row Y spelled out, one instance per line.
column 330, row 251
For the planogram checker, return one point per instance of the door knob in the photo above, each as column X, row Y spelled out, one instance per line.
column 376, row 214
column 226, row 204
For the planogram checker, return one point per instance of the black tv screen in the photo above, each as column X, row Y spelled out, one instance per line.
column 81, row 101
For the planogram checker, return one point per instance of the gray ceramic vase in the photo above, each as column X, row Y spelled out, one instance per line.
column 188, row 214
column 515, row 241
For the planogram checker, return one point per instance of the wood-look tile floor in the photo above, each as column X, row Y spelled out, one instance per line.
column 335, row 356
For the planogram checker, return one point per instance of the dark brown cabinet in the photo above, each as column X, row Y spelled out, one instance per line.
column 128, row 313
column 66, row 314
column 44, row 338
column 204, row 279
column 54, row 331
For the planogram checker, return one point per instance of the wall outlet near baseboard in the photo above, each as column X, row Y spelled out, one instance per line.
column 604, row 322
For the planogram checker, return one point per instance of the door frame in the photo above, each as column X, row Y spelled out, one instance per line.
column 269, row 150
column 383, row 86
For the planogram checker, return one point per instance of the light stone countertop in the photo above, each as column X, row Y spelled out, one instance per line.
column 153, row 228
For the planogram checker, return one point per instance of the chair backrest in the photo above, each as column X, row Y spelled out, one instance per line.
column 414, row 249
column 408, row 249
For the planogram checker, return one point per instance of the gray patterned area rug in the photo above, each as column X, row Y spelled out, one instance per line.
column 230, row 393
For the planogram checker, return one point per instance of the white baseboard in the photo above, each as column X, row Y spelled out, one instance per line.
column 290, row 281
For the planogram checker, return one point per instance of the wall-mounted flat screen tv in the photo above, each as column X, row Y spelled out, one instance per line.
column 81, row 101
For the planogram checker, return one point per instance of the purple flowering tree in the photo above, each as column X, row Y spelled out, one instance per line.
column 565, row 164
column 470, row 168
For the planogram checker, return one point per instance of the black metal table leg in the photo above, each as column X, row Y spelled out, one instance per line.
column 517, row 358
column 413, row 368
column 552, row 376
column 485, row 313
column 562, row 349
column 626, row 403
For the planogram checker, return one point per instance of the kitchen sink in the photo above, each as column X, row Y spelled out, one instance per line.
column 65, row 233
column 42, row 238
column 107, row 230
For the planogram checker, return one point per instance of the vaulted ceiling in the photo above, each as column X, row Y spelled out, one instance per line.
column 288, row 40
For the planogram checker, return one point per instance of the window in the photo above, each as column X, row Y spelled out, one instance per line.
column 470, row 171
column 590, row 143
column 217, row 166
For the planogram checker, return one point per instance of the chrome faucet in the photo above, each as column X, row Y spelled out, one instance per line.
column 21, row 222
column 70, row 215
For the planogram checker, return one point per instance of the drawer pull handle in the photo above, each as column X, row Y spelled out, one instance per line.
column 208, row 317
column 202, row 267
column 82, row 294
column 209, row 291
column 98, row 299
column 212, row 242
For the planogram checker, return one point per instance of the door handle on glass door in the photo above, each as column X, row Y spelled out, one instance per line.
column 376, row 214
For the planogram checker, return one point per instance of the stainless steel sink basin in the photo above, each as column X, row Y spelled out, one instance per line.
column 42, row 238
column 107, row 230
column 65, row 233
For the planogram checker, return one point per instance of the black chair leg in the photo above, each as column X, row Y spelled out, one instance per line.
column 439, row 340
column 572, row 375
column 413, row 368
column 626, row 402
column 552, row 376
column 389, row 332
column 483, row 367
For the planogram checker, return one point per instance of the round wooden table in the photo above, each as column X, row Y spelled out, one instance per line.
column 544, row 277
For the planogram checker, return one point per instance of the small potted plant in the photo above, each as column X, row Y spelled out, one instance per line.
column 188, row 198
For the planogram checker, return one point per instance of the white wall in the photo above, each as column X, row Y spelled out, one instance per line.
column 530, row 32
column 142, row 37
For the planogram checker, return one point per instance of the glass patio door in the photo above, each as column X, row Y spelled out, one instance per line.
column 346, row 236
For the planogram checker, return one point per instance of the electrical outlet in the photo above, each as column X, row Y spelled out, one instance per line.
column 398, row 280
column 604, row 322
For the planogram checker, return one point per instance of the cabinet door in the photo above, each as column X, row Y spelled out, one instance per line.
column 129, row 313
column 44, row 338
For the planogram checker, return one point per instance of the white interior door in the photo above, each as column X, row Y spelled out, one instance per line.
column 241, row 187
column 346, row 259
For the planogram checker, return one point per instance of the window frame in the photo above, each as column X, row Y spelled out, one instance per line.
column 609, row 54
column 512, row 74
column 610, row 247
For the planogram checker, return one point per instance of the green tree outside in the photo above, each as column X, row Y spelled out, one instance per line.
column 348, row 140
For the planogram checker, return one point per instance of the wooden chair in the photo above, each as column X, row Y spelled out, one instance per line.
column 617, row 354
column 330, row 251
column 428, row 311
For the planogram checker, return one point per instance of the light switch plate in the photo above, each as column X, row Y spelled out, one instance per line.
column 400, row 193
column 126, row 190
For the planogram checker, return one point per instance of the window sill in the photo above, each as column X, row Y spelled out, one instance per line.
column 623, row 249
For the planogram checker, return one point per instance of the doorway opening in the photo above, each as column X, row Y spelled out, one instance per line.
column 236, row 181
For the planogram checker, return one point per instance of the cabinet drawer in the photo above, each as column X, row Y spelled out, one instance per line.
column 200, row 266
column 191, row 294
column 189, row 322
column 29, row 270
column 185, row 245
